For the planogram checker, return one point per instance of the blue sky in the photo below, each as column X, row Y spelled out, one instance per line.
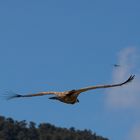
column 63, row 45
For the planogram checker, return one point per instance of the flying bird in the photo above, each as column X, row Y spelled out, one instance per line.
column 71, row 96
column 116, row 65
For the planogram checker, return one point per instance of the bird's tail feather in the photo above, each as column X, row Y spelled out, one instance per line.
column 53, row 98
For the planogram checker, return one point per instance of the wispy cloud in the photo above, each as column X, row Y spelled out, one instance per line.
column 134, row 133
column 128, row 95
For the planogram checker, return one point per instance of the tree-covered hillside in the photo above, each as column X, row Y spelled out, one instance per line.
column 21, row 130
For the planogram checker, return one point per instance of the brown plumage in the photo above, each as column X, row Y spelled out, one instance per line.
column 70, row 97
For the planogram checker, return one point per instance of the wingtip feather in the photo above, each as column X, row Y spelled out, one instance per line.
column 129, row 79
column 11, row 95
column 14, row 96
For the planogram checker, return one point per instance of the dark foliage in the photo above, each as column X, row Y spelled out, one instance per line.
column 20, row 130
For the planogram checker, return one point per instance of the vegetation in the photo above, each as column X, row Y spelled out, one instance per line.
column 21, row 130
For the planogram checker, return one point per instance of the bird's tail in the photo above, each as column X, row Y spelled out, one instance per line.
column 54, row 98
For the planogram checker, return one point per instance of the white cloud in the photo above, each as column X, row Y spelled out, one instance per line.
column 135, row 133
column 128, row 95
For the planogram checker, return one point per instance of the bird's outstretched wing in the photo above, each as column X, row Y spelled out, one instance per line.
column 30, row 95
column 72, row 91
column 105, row 86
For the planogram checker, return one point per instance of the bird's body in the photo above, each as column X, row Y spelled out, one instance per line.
column 66, row 99
column 70, row 97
